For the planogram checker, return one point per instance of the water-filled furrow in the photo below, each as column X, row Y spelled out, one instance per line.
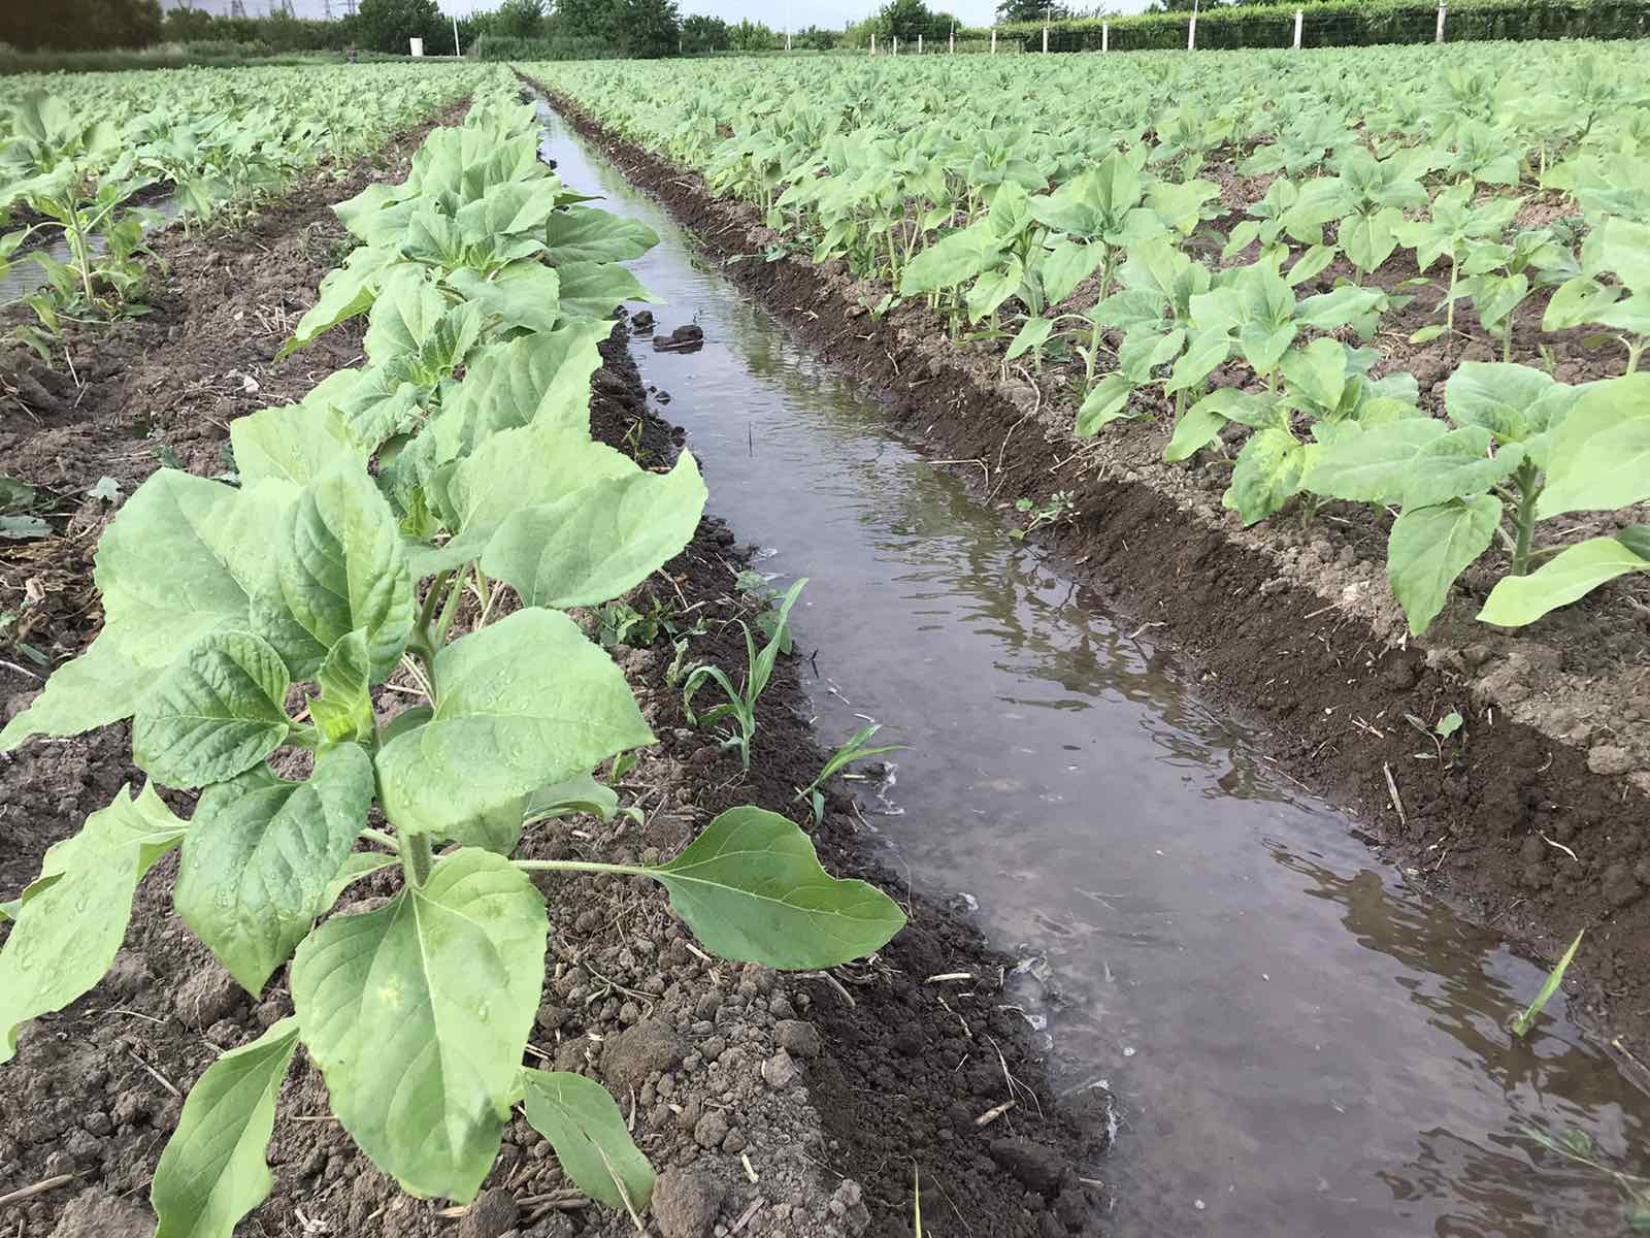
column 1299, row 1042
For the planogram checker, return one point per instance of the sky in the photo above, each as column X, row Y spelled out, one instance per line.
column 774, row 12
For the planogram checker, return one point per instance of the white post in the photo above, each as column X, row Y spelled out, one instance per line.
column 1105, row 36
column 993, row 42
column 1191, row 31
column 919, row 44
column 1438, row 37
column 873, row 44
column 1045, row 39
column 952, row 50
column 1299, row 15
column 896, row 45
column 787, row 40
column 457, row 50
column 416, row 46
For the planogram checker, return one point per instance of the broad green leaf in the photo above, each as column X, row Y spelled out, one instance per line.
column 174, row 566
column 524, row 294
column 296, row 442
column 417, row 1014
column 1267, row 474
column 1368, row 240
column 1030, row 338
column 1512, row 402
column 587, row 1131
column 218, row 710
column 585, row 234
column 751, row 889
column 214, row 1170
column 523, row 703
column 1430, row 546
column 951, row 261
column 258, row 864
column 993, row 288
column 1569, row 575
column 596, row 289
column 1067, row 265
column 1371, row 465
column 581, row 793
column 1458, row 465
column 347, row 292
column 1106, row 401
column 538, row 377
column 343, row 710
column 1205, row 352
column 73, row 916
column 1600, row 457
column 1198, row 426
column 599, row 542
column 341, row 567
column 357, row 864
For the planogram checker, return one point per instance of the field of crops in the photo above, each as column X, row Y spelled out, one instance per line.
column 346, row 657
column 1411, row 280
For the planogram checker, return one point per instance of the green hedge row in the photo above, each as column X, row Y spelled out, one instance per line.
column 1346, row 23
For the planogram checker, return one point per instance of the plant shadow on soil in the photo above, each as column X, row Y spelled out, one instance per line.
column 830, row 1095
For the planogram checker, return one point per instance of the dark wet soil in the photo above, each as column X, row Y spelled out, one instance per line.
column 1508, row 821
column 773, row 1105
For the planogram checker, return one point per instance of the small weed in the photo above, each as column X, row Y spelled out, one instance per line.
column 1522, row 1024
column 853, row 751
column 1058, row 507
column 740, row 706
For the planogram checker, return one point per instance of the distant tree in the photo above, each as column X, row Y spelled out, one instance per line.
column 753, row 36
column 1030, row 10
column 647, row 29
column 79, row 25
column 519, row 19
column 817, row 38
column 906, row 19
column 704, row 34
column 386, row 25
column 587, row 19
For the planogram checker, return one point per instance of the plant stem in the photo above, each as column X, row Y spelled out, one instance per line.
column 580, row 866
column 416, row 858
column 1449, row 308
column 1524, row 518
column 389, row 841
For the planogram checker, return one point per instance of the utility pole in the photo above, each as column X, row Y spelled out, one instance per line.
column 457, row 50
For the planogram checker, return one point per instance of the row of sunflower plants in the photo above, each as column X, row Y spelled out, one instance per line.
column 249, row 628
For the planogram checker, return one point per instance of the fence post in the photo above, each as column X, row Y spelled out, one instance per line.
column 919, row 44
column 1438, row 36
column 1045, row 39
column 1299, row 15
column 993, row 42
column 873, row 44
column 953, row 48
column 896, row 45
column 787, row 40
column 1105, row 36
column 1191, row 32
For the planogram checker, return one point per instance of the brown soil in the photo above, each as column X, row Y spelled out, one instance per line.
column 1532, row 818
column 772, row 1105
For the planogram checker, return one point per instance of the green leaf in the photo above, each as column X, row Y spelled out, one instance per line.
column 1600, row 457
column 596, row 289
column 524, row 294
column 1198, row 426
column 584, row 1126
column 752, row 890
column 1568, row 576
column 347, row 292
column 295, row 442
column 218, row 710
column 73, row 916
column 951, row 261
column 343, row 710
column 417, row 1014
column 1512, row 402
column 585, row 234
column 600, row 541
column 173, row 566
column 1458, row 465
column 1371, row 464
column 357, row 864
column 257, row 867
column 1031, row 337
column 214, row 1169
column 1266, row 476
column 523, row 703
column 1526, row 1019
column 341, row 567
column 1106, row 401
column 1205, row 352
column 581, row 793
column 539, row 378
column 1430, row 546
column 1067, row 265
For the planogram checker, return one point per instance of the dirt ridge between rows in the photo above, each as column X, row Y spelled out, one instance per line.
column 1514, row 827
column 773, row 1105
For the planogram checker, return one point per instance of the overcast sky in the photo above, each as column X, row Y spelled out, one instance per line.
column 775, row 12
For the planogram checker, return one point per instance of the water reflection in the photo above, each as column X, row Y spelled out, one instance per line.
column 1300, row 1045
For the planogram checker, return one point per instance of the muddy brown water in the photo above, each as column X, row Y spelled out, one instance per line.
column 1298, row 1040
